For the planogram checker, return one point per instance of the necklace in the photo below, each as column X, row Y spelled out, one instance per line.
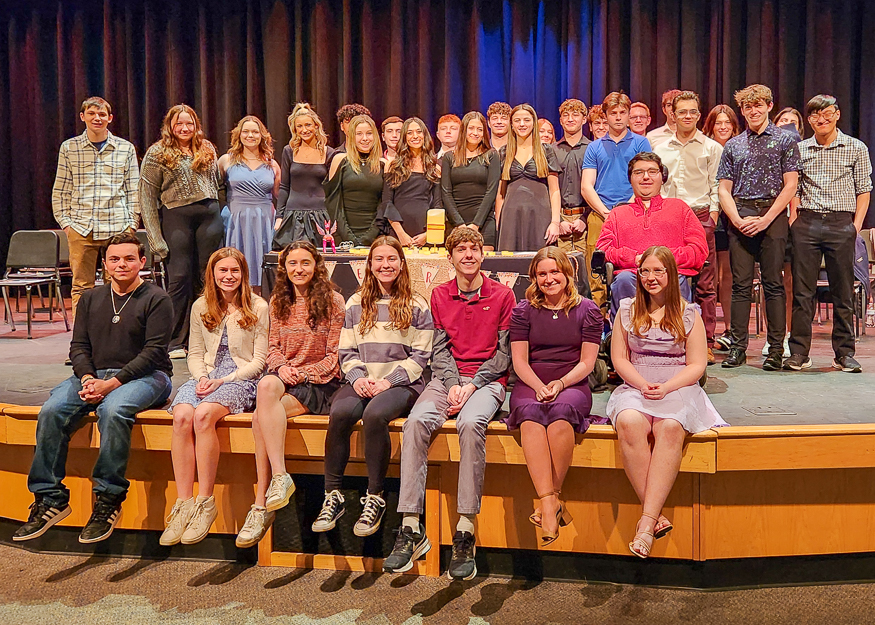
column 116, row 318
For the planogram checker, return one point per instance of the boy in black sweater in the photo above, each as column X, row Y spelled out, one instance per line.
column 120, row 367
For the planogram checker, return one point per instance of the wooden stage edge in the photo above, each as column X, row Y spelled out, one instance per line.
column 743, row 492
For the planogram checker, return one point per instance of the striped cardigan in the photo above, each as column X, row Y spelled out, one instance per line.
column 398, row 356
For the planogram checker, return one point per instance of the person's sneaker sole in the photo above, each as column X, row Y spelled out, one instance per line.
column 839, row 367
column 330, row 526
column 283, row 502
column 469, row 577
column 420, row 551
column 197, row 539
column 805, row 365
column 88, row 541
column 365, row 533
column 63, row 514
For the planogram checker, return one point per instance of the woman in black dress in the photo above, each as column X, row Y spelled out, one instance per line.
column 354, row 188
column 469, row 179
column 528, row 204
column 300, row 204
column 411, row 185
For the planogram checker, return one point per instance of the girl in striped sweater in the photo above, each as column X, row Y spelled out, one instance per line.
column 384, row 346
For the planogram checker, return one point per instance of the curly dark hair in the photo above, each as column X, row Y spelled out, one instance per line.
column 320, row 298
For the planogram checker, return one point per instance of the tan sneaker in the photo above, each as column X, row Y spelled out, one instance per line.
column 205, row 512
column 177, row 521
column 256, row 524
column 281, row 489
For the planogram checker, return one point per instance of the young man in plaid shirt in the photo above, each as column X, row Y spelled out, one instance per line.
column 825, row 217
column 95, row 194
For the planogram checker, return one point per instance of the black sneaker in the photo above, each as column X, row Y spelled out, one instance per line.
column 774, row 361
column 797, row 362
column 103, row 519
column 409, row 547
column 373, row 509
column 723, row 342
column 462, row 564
column 42, row 517
column 332, row 509
column 847, row 364
column 736, row 358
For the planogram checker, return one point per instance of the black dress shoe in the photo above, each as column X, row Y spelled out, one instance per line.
column 736, row 358
column 774, row 361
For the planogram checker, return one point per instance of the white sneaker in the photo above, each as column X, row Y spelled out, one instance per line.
column 177, row 521
column 177, row 354
column 281, row 489
column 258, row 520
column 786, row 347
column 205, row 512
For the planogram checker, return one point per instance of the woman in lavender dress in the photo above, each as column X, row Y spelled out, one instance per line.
column 252, row 180
column 554, row 340
column 659, row 349
column 228, row 348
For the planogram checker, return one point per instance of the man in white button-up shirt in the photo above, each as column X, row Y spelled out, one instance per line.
column 692, row 160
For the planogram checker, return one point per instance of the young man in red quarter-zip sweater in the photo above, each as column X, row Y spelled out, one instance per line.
column 650, row 220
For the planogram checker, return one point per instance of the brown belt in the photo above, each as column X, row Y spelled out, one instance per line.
column 578, row 210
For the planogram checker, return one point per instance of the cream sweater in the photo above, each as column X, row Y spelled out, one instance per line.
column 248, row 347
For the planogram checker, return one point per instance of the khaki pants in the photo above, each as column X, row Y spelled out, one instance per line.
column 84, row 256
column 594, row 223
column 572, row 242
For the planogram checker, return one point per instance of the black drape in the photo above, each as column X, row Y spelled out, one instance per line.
column 428, row 57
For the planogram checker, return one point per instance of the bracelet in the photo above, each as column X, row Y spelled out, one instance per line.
column 86, row 377
column 563, row 383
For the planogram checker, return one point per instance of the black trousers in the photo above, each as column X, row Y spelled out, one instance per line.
column 832, row 237
column 192, row 232
column 768, row 249
column 375, row 414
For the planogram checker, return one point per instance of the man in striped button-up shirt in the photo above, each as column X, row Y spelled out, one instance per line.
column 95, row 194
column 825, row 216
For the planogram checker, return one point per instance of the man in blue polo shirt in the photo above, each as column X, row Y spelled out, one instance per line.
column 604, row 181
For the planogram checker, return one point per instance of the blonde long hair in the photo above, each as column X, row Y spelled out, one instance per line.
column 302, row 109
column 673, row 317
column 537, row 147
column 352, row 153
column 571, row 297
column 401, row 305
column 169, row 152
column 216, row 308
column 265, row 146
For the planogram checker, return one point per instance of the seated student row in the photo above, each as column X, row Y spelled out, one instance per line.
column 381, row 341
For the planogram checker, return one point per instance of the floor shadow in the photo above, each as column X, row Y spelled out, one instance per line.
column 76, row 569
column 365, row 580
column 134, row 570
column 437, row 602
column 595, row 595
column 493, row 596
column 336, row 581
column 402, row 581
column 286, row 579
column 219, row 574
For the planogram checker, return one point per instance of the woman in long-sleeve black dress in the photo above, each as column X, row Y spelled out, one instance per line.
column 469, row 179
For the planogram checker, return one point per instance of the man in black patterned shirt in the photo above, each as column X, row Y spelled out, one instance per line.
column 835, row 180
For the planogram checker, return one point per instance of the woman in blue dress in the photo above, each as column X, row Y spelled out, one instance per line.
column 227, row 352
column 252, row 180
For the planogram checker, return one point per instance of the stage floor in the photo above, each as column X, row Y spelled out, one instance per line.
column 29, row 369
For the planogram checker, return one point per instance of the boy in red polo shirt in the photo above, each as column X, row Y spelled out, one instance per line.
column 469, row 372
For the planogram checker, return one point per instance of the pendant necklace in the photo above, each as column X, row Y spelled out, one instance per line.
column 116, row 318
column 555, row 314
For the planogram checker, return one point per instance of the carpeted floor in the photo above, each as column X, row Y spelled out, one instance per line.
column 42, row 589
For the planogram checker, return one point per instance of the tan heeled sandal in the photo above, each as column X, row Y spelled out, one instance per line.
column 659, row 532
column 639, row 546
column 535, row 517
column 563, row 518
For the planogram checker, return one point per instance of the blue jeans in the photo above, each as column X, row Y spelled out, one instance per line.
column 62, row 414
column 625, row 283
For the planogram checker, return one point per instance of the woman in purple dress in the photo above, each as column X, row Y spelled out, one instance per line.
column 554, row 340
column 659, row 349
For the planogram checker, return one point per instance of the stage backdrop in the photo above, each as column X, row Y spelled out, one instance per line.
column 424, row 58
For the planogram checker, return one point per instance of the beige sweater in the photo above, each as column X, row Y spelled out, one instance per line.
column 248, row 347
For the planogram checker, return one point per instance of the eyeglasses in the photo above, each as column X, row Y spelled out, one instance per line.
column 650, row 172
column 685, row 113
column 826, row 115
column 183, row 125
column 656, row 273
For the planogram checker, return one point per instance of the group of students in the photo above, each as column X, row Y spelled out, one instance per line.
column 306, row 351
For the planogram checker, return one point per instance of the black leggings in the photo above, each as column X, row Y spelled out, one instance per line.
column 375, row 413
column 192, row 232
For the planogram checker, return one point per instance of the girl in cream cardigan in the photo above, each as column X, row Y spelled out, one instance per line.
column 227, row 351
